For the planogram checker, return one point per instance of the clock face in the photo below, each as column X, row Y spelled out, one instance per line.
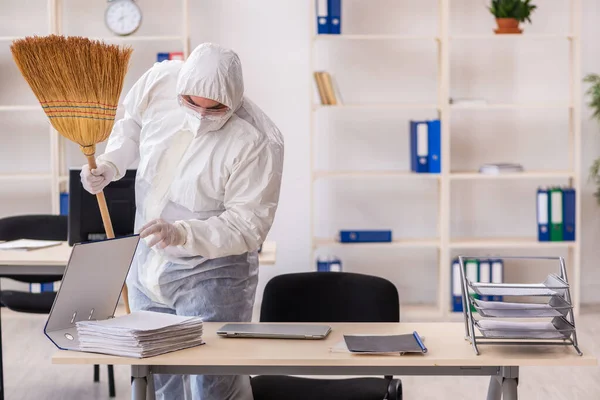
column 123, row 17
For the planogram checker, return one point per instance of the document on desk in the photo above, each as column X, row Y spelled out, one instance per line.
column 27, row 244
column 384, row 344
column 140, row 334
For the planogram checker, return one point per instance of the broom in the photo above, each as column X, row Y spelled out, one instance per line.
column 78, row 83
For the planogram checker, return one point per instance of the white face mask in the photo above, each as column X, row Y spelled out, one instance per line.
column 203, row 124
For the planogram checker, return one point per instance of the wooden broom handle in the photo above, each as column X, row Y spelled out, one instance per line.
column 110, row 234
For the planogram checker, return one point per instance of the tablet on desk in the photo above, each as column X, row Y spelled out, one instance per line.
column 275, row 331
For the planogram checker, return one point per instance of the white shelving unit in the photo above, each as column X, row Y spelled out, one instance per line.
column 444, row 243
column 56, row 175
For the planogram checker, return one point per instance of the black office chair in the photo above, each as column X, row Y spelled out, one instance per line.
column 36, row 227
column 328, row 297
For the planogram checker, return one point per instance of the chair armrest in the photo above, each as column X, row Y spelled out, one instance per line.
column 394, row 391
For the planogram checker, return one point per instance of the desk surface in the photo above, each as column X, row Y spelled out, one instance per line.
column 59, row 256
column 445, row 343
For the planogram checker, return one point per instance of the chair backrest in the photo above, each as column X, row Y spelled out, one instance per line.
column 330, row 297
column 36, row 227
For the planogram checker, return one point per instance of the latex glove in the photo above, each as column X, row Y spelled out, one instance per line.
column 165, row 234
column 97, row 179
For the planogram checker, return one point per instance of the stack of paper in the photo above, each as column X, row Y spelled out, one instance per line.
column 500, row 168
column 27, row 244
column 140, row 334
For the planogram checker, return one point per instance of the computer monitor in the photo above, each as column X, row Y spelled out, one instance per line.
column 85, row 221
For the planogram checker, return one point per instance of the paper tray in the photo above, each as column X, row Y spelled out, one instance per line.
column 552, row 286
column 558, row 328
column 556, row 307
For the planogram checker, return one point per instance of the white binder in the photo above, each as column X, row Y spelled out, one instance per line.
column 90, row 287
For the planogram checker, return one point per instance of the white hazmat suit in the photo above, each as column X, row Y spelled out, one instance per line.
column 216, row 180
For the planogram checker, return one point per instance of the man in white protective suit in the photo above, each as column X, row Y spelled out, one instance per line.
column 207, row 188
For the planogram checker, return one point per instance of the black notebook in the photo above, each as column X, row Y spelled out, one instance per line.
column 380, row 344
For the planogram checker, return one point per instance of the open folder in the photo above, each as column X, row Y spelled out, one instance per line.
column 82, row 316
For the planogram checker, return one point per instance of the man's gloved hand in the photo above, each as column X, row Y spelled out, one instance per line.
column 165, row 234
column 97, row 179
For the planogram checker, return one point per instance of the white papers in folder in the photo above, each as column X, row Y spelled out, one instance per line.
column 140, row 334
column 27, row 244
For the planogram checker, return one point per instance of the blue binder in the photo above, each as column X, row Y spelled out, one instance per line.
column 64, row 203
column 456, row 287
column 543, row 215
column 365, row 236
column 322, row 16
column 335, row 16
column 162, row 57
column 419, row 146
column 435, row 146
column 569, row 214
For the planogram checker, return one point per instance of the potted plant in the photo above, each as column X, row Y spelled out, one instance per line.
column 594, row 93
column 509, row 13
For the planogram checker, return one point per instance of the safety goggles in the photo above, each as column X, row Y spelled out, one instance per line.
column 216, row 111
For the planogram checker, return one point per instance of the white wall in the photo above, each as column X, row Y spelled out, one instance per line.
column 272, row 39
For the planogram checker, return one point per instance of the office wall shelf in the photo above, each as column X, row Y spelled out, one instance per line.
column 405, row 106
column 525, row 36
column 506, row 243
column 24, row 177
column 373, row 37
column 402, row 243
column 20, row 108
column 445, row 245
column 512, row 175
column 373, row 174
column 56, row 174
column 516, row 106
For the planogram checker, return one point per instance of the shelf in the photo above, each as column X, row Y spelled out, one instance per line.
column 9, row 38
column 526, row 36
column 512, row 175
column 374, row 174
column 506, row 243
column 136, row 38
column 373, row 37
column 398, row 243
column 24, row 177
column 511, row 106
column 382, row 106
column 21, row 108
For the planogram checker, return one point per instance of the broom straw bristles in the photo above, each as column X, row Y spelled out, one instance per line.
column 77, row 81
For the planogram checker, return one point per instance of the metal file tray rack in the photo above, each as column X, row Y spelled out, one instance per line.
column 553, row 320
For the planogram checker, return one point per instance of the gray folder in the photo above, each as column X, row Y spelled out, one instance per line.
column 90, row 287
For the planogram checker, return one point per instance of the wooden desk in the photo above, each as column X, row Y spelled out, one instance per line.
column 53, row 260
column 448, row 354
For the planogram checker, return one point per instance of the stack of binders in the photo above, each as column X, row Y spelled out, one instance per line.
column 329, row 263
column 480, row 270
column 140, row 334
column 556, row 214
column 425, row 147
column 329, row 17
column 176, row 55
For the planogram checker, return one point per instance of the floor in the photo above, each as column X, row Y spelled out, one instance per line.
column 28, row 373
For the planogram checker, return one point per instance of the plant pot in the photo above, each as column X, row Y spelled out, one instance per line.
column 507, row 25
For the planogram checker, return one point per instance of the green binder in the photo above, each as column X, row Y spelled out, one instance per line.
column 555, row 208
